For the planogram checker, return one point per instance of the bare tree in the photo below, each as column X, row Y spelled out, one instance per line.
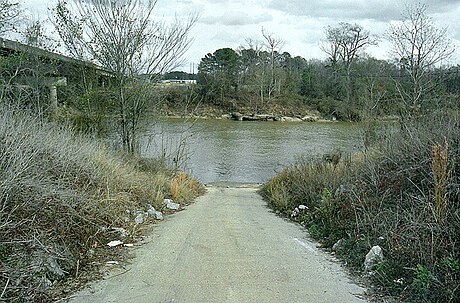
column 273, row 45
column 128, row 40
column 10, row 13
column 419, row 46
column 34, row 34
column 332, row 45
column 344, row 43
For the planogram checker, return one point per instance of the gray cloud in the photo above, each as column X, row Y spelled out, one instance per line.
column 229, row 37
column 378, row 10
column 301, row 23
column 236, row 18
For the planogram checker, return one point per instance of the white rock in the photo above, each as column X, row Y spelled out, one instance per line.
column 45, row 283
column 373, row 256
column 171, row 205
column 139, row 219
column 309, row 119
column 103, row 229
column 150, row 210
column 115, row 243
column 158, row 215
column 290, row 119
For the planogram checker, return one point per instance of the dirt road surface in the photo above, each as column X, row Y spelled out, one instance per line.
column 227, row 247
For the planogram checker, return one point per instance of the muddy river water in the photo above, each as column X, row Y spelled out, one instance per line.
column 225, row 150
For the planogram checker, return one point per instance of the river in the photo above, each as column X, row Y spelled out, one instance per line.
column 235, row 151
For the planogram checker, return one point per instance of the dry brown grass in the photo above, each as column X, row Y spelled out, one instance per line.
column 441, row 172
column 182, row 186
column 61, row 195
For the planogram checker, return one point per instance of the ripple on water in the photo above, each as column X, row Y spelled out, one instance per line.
column 221, row 150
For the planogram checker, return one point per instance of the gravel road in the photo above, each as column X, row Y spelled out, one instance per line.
column 227, row 247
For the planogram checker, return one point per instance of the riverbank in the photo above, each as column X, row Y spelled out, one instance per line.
column 251, row 117
column 70, row 207
column 390, row 213
column 273, row 114
column 244, row 113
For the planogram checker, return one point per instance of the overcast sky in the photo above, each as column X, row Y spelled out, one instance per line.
column 300, row 23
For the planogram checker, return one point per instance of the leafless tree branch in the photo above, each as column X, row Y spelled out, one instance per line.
column 418, row 46
column 127, row 39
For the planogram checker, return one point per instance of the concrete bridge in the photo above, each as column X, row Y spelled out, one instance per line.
column 56, row 70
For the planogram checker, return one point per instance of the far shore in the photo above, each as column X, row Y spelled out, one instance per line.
column 282, row 119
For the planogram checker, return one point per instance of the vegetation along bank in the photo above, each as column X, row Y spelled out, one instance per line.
column 64, row 197
column 401, row 195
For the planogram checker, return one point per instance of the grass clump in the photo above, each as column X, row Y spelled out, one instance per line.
column 63, row 198
column 401, row 194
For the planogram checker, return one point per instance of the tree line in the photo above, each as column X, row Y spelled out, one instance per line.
column 138, row 50
column 349, row 84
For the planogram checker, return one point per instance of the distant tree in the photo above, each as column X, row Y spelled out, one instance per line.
column 22, row 75
column 179, row 75
column 343, row 46
column 10, row 13
column 452, row 80
column 20, row 67
column 33, row 34
column 418, row 46
column 310, row 85
column 375, row 87
column 291, row 73
column 273, row 45
column 249, row 61
column 218, row 73
column 126, row 39
column 250, row 73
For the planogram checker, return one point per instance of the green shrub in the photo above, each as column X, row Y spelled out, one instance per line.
column 402, row 194
column 421, row 281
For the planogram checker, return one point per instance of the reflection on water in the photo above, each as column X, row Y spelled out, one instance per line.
column 223, row 150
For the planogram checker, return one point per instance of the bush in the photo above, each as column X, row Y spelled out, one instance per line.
column 92, row 112
column 402, row 194
column 61, row 195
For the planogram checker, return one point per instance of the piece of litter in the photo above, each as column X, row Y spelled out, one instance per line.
column 128, row 245
column 112, row 263
column 115, row 243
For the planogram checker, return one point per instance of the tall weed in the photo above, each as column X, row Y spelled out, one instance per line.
column 402, row 193
column 441, row 174
column 61, row 195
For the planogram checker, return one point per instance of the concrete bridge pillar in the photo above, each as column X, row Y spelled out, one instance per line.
column 53, row 98
column 53, row 83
